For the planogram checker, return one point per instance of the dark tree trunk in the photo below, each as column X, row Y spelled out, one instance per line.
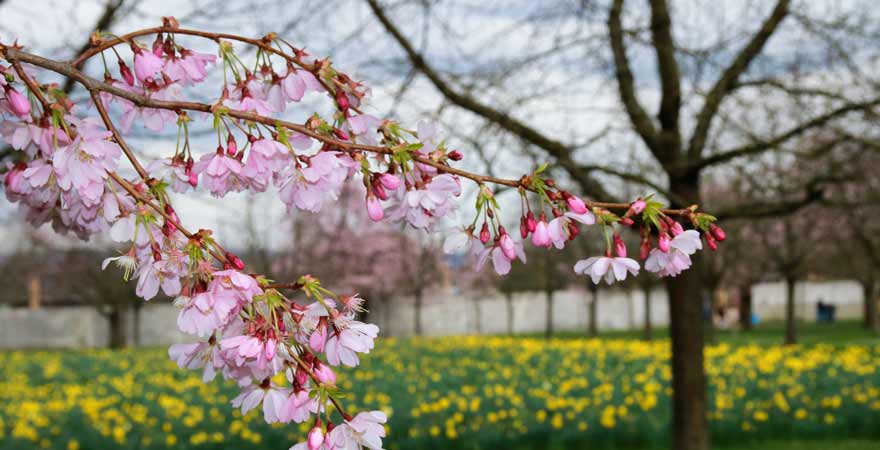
column 548, row 324
column 418, row 312
column 648, row 330
column 508, row 297
column 136, row 326
column 708, row 302
column 790, row 320
column 478, row 316
column 872, row 321
column 690, row 428
column 116, row 321
column 593, row 324
column 745, row 307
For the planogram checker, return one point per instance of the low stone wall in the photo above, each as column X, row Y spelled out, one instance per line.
column 443, row 313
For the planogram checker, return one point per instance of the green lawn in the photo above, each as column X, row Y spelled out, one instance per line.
column 766, row 333
column 854, row 444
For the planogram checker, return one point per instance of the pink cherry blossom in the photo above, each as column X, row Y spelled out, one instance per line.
column 220, row 173
column 369, row 429
column 608, row 268
column 559, row 229
column 146, row 65
column 18, row 103
column 298, row 407
column 344, row 345
column 374, row 208
column 677, row 258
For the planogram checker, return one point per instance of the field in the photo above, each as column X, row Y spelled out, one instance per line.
column 462, row 392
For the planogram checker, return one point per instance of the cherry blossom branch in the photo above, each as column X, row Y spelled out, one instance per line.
column 94, row 85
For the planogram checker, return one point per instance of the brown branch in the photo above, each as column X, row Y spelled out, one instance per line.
column 729, row 77
column 560, row 151
column 104, row 22
column 642, row 123
column 767, row 144
column 94, row 85
column 667, row 65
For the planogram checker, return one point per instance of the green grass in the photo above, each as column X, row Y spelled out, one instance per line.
column 766, row 333
column 845, row 444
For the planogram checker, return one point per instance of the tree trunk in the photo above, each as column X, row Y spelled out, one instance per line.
column 872, row 321
column 548, row 325
column 648, row 330
column 707, row 296
column 790, row 320
column 478, row 316
column 690, row 428
column 418, row 312
column 136, row 326
column 116, row 321
column 508, row 297
column 745, row 307
column 593, row 324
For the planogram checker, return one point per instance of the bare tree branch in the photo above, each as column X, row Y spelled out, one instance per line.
column 639, row 118
column 730, row 76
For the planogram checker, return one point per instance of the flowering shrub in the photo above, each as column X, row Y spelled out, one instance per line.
column 248, row 330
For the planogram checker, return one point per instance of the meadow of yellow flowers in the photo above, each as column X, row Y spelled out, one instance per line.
column 456, row 392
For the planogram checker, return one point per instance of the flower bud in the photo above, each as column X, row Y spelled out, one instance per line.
column 541, row 236
column 484, row 233
column 231, row 145
column 379, row 190
column 573, row 230
column 676, row 228
column 455, row 155
column 717, row 232
column 626, row 221
column 645, row 249
column 507, row 247
column 235, row 261
column 342, row 100
column 637, row 206
column 575, row 204
column 126, row 73
column 619, row 246
column 663, row 242
column 340, row 134
column 316, row 437
column 324, row 374
column 18, row 103
column 374, row 208
column 710, row 241
column 389, row 181
column 523, row 227
column 530, row 221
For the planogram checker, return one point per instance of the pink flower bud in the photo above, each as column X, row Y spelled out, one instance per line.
column 619, row 246
column 18, row 103
column 340, row 134
column 324, row 374
column 626, row 221
column 379, row 190
column 575, row 204
column 676, row 228
column 316, row 437
column 342, row 100
column 530, row 221
column 374, row 208
column 717, row 232
column 523, row 227
column 126, row 73
column 507, row 247
column 235, row 261
column 541, row 236
column 573, row 230
column 638, row 206
column 645, row 249
column 455, row 155
column 663, row 242
column 231, row 145
column 389, row 181
column 713, row 244
column 484, row 233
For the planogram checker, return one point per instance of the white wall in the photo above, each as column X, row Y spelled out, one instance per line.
column 443, row 313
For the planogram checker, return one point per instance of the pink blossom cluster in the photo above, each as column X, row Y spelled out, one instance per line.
column 281, row 352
